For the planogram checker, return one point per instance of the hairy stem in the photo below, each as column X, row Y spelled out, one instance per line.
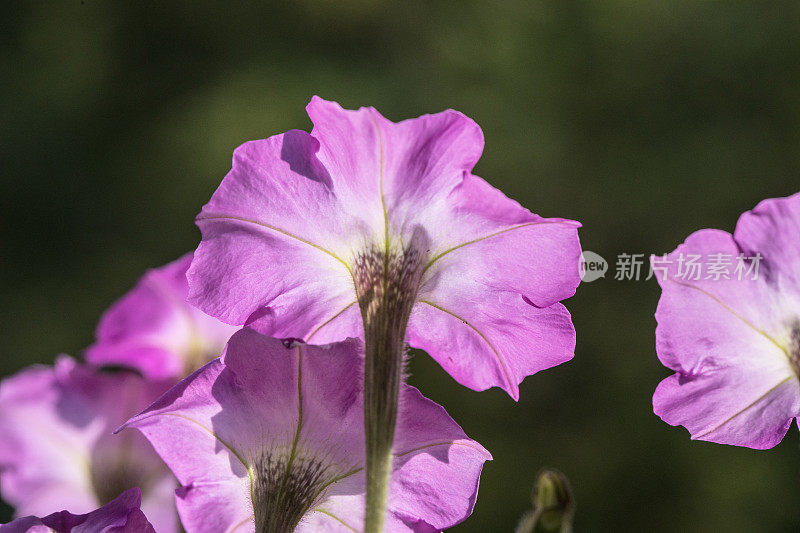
column 386, row 284
column 383, row 374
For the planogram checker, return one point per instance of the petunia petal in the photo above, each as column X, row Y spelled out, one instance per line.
column 275, row 241
column 37, row 476
column 434, row 457
column 728, row 406
column 57, row 448
column 488, row 340
column 393, row 169
column 154, row 329
column 342, row 509
column 350, row 149
column 428, row 486
column 280, row 184
column 486, row 240
column 424, row 159
column 121, row 515
column 26, row 524
column 488, row 299
column 345, row 323
column 773, row 230
column 215, row 507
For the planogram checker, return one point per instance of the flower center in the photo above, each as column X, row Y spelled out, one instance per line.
column 199, row 353
column 284, row 488
column 119, row 462
column 794, row 346
column 111, row 479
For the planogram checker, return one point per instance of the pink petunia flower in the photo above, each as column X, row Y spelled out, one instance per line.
column 270, row 438
column 154, row 330
column 308, row 231
column 732, row 334
column 121, row 515
column 58, row 450
column 379, row 230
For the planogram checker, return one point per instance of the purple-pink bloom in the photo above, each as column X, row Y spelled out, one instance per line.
column 154, row 330
column 734, row 343
column 58, row 450
column 121, row 515
column 273, row 431
column 302, row 226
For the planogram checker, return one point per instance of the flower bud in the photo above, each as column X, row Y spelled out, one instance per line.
column 553, row 506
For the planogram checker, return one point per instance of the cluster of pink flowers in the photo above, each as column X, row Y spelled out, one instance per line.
column 58, row 450
column 267, row 367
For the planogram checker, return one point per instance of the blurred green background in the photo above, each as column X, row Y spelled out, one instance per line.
column 643, row 120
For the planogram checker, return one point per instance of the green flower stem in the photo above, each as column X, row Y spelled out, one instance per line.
column 386, row 284
column 383, row 374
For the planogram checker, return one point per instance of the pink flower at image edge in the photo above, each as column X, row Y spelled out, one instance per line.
column 735, row 343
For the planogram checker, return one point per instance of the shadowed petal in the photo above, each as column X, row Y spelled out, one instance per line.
column 26, row 524
column 343, row 324
column 122, row 515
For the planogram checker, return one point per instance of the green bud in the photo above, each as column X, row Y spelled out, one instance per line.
column 553, row 506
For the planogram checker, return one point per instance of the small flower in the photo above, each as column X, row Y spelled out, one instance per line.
column 58, row 449
column 309, row 233
column 154, row 330
column 121, row 515
column 735, row 343
column 270, row 438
